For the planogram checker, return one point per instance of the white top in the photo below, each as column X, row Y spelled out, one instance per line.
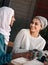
column 24, row 41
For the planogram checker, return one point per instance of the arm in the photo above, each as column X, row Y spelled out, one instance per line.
column 2, row 45
column 17, row 42
column 42, row 44
column 42, row 47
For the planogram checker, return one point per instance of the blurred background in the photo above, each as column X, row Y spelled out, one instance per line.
column 25, row 10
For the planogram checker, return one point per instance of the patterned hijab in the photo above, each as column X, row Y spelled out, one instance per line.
column 6, row 14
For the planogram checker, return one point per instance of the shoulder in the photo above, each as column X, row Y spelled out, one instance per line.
column 23, row 30
column 42, row 39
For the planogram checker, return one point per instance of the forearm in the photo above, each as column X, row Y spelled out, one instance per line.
column 17, row 50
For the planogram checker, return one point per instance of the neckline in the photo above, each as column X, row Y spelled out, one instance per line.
column 32, row 36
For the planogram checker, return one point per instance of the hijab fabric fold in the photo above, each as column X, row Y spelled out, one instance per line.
column 43, row 21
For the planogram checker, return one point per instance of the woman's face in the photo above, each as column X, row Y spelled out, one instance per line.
column 35, row 25
column 12, row 21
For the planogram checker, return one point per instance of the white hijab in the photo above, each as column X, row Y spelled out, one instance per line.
column 43, row 21
column 6, row 14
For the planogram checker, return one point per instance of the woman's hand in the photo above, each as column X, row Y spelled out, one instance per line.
column 10, row 44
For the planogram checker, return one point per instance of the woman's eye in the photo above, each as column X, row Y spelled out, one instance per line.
column 36, row 23
column 32, row 23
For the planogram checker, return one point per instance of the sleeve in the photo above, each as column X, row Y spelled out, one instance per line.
column 42, row 44
column 4, row 57
column 17, row 42
column 2, row 44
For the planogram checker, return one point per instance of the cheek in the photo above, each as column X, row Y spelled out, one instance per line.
column 12, row 21
column 11, row 24
column 38, row 28
column 30, row 25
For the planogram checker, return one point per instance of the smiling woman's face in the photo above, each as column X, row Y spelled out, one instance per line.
column 35, row 25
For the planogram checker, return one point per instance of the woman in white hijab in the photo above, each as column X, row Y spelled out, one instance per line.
column 6, row 21
column 29, row 39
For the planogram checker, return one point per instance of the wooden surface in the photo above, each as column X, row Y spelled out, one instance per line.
column 27, row 55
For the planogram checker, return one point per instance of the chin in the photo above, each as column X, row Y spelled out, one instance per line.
column 32, row 31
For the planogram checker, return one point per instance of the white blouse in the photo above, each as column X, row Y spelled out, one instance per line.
column 24, row 42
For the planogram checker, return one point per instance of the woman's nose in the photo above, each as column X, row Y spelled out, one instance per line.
column 14, row 19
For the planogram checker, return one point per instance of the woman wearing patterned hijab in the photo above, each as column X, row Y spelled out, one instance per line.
column 6, row 21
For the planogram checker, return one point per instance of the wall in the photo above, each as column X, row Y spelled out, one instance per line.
column 23, row 13
column 41, row 8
